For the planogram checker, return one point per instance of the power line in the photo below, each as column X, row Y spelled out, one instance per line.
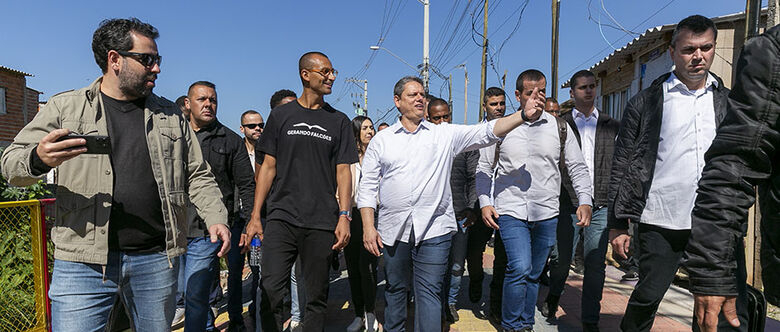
column 616, row 40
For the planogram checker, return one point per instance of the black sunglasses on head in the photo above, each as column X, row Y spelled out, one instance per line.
column 146, row 59
column 253, row 125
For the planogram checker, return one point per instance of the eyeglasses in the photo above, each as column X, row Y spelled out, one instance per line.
column 325, row 72
column 439, row 117
column 146, row 59
column 253, row 125
column 553, row 112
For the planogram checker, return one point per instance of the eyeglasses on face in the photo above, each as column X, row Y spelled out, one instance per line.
column 553, row 112
column 325, row 72
column 439, row 117
column 253, row 125
column 146, row 59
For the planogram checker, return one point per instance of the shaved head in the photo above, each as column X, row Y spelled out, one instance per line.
column 308, row 60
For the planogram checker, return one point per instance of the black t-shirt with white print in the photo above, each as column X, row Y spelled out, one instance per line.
column 307, row 145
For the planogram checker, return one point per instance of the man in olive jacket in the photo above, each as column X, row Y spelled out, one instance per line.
column 121, row 217
column 742, row 155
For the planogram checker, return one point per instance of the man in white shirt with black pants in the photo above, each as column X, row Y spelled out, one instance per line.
column 408, row 168
column 659, row 156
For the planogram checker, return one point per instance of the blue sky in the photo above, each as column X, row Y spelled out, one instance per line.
column 250, row 49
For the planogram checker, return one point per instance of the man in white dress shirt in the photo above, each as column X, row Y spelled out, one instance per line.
column 518, row 188
column 596, row 134
column 659, row 156
column 407, row 167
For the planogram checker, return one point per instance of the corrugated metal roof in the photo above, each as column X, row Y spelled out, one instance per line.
column 650, row 36
column 15, row 71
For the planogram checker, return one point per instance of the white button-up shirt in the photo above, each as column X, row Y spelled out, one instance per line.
column 526, row 182
column 586, row 126
column 687, row 130
column 409, row 172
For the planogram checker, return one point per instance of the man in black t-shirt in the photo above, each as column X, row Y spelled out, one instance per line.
column 308, row 148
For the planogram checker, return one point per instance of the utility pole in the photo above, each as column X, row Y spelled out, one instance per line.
column 465, row 92
column 483, row 80
column 365, row 94
column 426, row 58
column 556, row 6
column 450, row 92
column 503, row 80
column 752, row 18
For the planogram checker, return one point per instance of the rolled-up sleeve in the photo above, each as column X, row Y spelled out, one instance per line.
column 484, row 176
column 368, row 188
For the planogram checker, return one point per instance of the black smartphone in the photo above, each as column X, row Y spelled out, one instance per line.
column 96, row 144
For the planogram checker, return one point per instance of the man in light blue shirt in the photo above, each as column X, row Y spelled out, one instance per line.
column 407, row 167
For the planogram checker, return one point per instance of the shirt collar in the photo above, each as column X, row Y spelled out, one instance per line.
column 674, row 83
column 575, row 113
column 397, row 127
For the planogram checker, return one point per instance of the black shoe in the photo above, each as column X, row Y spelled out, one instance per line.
column 475, row 291
column 590, row 327
column 550, row 306
column 453, row 313
column 494, row 318
column 630, row 276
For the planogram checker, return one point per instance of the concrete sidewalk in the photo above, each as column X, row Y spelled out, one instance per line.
column 674, row 313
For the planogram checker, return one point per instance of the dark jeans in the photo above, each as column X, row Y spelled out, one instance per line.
column 235, row 264
column 595, row 249
column 499, row 269
column 477, row 237
column 428, row 259
column 361, row 268
column 283, row 243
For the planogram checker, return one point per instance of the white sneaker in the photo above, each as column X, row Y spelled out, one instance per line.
column 295, row 326
column 371, row 324
column 178, row 317
column 356, row 325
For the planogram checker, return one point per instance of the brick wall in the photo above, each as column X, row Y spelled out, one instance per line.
column 15, row 90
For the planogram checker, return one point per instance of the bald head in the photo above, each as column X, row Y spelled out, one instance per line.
column 309, row 60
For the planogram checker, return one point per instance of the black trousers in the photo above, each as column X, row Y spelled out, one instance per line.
column 499, row 269
column 477, row 237
column 282, row 245
column 361, row 268
column 660, row 253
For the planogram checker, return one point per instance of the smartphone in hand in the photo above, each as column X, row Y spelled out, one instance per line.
column 96, row 144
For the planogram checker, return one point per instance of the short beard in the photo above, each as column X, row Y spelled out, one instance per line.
column 133, row 84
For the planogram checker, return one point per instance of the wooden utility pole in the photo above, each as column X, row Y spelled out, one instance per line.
column 752, row 18
column 465, row 92
column 556, row 6
column 449, row 94
column 483, row 81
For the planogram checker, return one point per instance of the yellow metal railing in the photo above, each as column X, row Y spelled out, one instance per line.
column 23, row 267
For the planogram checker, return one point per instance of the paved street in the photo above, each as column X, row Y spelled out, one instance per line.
column 674, row 313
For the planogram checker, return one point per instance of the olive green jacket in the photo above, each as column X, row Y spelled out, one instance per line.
column 85, row 183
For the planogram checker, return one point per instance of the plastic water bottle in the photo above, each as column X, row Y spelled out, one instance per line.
column 255, row 255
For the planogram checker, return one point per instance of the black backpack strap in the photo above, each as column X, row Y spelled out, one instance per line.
column 562, row 136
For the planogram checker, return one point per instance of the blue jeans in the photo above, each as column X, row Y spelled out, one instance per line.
column 595, row 241
column 82, row 295
column 429, row 261
column 200, row 266
column 457, row 259
column 527, row 245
